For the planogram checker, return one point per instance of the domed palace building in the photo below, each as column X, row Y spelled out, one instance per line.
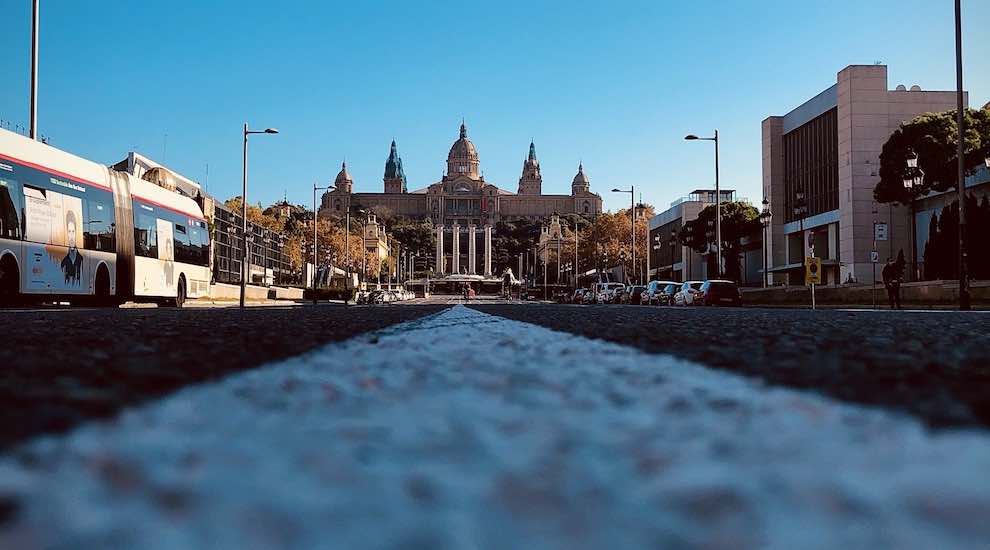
column 462, row 205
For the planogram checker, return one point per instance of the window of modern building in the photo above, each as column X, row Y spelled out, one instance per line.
column 811, row 158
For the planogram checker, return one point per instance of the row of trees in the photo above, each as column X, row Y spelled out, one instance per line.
column 330, row 232
column 941, row 252
column 603, row 242
column 931, row 142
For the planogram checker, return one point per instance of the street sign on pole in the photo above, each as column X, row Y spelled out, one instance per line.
column 880, row 231
column 812, row 275
column 812, row 271
column 874, row 256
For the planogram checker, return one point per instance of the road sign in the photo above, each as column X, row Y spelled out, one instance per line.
column 880, row 231
column 874, row 256
column 812, row 270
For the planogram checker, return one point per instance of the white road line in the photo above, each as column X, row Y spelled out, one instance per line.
column 464, row 430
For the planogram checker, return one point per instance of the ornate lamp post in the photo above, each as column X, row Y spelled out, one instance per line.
column 765, row 216
column 913, row 178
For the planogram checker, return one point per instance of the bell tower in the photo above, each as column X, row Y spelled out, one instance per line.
column 531, row 182
column 395, row 177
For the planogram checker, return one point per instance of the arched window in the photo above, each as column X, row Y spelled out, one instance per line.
column 336, row 205
column 587, row 207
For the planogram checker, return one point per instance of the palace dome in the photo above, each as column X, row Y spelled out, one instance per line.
column 463, row 157
column 580, row 178
column 343, row 177
column 463, row 148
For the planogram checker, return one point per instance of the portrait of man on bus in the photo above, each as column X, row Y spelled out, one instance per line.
column 72, row 263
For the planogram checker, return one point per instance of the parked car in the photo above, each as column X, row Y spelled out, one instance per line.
column 653, row 295
column 577, row 296
column 588, row 297
column 688, row 292
column 604, row 292
column 720, row 293
column 381, row 296
column 631, row 294
column 608, row 292
column 666, row 297
column 361, row 297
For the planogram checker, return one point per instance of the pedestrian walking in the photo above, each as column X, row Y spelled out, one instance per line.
column 892, row 274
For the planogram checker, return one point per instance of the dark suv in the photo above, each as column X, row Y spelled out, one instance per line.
column 720, row 293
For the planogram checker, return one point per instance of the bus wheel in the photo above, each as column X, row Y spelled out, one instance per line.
column 9, row 281
column 102, row 297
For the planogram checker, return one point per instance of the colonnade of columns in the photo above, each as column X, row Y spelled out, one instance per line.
column 472, row 268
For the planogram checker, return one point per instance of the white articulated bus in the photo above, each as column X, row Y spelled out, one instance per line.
column 74, row 230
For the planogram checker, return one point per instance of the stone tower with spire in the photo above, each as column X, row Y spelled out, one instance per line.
column 531, row 182
column 395, row 177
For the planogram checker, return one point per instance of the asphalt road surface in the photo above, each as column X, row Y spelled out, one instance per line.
column 932, row 364
column 433, row 425
column 63, row 366
column 470, row 430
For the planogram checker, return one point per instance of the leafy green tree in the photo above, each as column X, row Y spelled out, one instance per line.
column 739, row 219
column 933, row 138
column 512, row 238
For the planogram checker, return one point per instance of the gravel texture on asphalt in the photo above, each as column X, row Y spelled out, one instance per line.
column 464, row 430
column 59, row 367
column 935, row 365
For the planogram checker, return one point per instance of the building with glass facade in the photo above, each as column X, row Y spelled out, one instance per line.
column 820, row 165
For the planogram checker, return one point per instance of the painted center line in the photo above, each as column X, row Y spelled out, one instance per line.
column 465, row 430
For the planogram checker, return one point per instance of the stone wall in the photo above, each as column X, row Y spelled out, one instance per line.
column 925, row 293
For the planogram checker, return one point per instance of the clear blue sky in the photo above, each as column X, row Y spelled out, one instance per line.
column 615, row 84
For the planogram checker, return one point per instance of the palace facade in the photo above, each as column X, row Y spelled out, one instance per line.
column 463, row 199
column 463, row 196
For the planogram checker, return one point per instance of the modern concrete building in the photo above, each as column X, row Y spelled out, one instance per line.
column 827, row 150
column 669, row 259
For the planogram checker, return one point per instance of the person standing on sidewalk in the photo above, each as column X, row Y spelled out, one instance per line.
column 892, row 282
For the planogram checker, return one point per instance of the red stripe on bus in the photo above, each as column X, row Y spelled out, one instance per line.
column 76, row 179
column 54, row 172
column 173, row 209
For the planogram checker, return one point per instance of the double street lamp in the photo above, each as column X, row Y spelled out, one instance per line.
column 632, row 219
column 914, row 177
column 245, row 270
column 718, row 200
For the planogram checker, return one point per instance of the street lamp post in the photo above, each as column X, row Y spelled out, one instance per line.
column 35, row 14
column 964, row 301
column 316, row 224
column 765, row 216
column 632, row 219
column 244, row 203
column 576, row 251
column 718, row 201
